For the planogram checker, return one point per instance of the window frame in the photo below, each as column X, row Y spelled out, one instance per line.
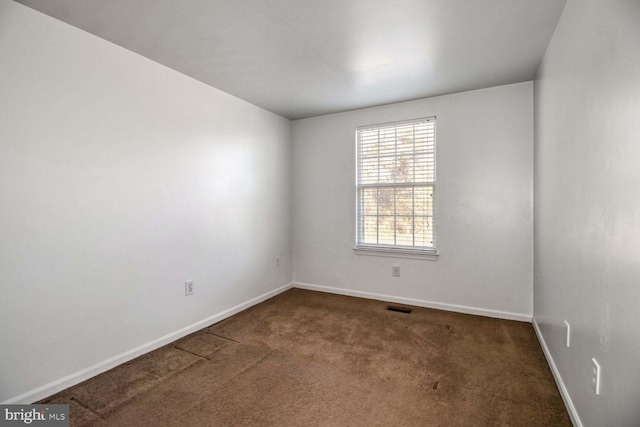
column 390, row 250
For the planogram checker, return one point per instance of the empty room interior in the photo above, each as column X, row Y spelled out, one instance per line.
column 304, row 212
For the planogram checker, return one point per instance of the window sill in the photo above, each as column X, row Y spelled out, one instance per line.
column 430, row 255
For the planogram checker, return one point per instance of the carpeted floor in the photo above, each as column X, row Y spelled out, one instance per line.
column 307, row 358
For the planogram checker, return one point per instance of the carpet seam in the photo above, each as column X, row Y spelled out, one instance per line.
column 193, row 354
column 159, row 380
column 247, row 368
column 224, row 338
column 73, row 399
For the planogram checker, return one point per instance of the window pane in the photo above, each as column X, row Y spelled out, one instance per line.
column 386, row 201
column 370, row 201
column 370, row 232
column 387, row 142
column 404, row 231
column 369, row 171
column 387, row 169
column 386, row 230
column 404, row 201
column 423, row 231
column 423, row 200
column 369, row 142
column 424, row 168
column 405, row 139
column 404, row 169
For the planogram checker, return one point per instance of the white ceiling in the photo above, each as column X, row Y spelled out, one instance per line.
column 303, row 58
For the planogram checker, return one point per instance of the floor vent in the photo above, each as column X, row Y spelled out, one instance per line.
column 399, row 309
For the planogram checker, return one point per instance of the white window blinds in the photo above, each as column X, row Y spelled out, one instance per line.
column 396, row 183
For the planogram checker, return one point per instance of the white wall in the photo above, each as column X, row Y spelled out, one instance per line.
column 119, row 180
column 484, row 205
column 587, row 226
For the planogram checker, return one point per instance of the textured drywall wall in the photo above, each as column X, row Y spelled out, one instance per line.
column 484, row 204
column 587, row 206
column 119, row 180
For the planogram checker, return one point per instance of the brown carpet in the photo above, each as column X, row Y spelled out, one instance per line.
column 307, row 358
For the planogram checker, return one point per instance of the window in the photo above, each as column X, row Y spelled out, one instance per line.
column 396, row 183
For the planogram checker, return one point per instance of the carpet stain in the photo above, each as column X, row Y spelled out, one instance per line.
column 311, row 358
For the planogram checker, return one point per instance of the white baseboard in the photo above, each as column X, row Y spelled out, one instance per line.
column 573, row 414
column 419, row 303
column 84, row 374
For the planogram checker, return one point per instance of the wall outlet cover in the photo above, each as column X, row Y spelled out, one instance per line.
column 396, row 271
column 188, row 287
column 595, row 377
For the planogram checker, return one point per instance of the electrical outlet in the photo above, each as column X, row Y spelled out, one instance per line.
column 277, row 261
column 188, row 288
column 568, row 330
column 396, row 271
column 595, row 377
